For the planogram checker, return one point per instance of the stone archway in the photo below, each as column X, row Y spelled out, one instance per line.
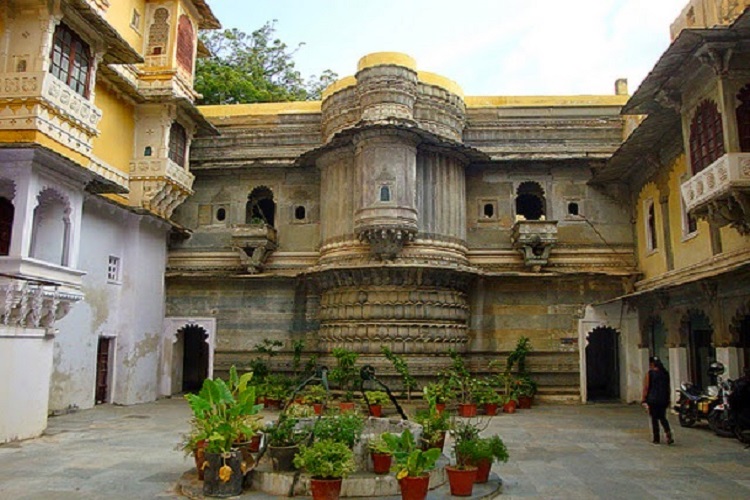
column 602, row 364
column 189, row 342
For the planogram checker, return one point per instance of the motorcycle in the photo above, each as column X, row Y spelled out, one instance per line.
column 720, row 418
column 693, row 405
column 739, row 409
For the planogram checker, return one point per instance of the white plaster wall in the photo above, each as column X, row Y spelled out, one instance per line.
column 131, row 311
column 25, row 364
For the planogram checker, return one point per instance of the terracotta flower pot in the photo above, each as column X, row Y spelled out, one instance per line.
column 437, row 443
column 461, row 480
column 346, row 406
column 524, row 402
column 325, row 489
column 318, row 408
column 467, row 410
column 509, row 407
column 414, row 488
column 490, row 409
column 483, row 470
column 199, row 454
column 381, row 463
column 376, row 410
column 440, row 408
column 254, row 445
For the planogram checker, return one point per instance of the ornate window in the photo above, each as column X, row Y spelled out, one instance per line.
column 743, row 119
column 71, row 60
column 158, row 33
column 6, row 224
column 385, row 193
column 260, row 207
column 177, row 144
column 650, row 224
column 530, row 202
column 706, row 136
column 185, row 39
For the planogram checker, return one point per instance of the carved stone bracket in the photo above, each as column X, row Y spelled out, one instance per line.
column 254, row 243
column 535, row 239
column 26, row 304
column 386, row 243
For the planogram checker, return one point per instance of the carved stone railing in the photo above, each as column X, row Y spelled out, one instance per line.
column 254, row 242
column 721, row 192
column 161, row 168
column 535, row 239
column 110, row 173
column 157, row 61
column 160, row 185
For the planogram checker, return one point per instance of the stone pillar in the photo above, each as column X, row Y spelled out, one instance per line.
column 730, row 358
column 678, row 363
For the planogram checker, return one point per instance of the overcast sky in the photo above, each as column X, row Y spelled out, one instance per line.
column 489, row 47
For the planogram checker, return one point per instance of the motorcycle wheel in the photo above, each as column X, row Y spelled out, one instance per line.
column 743, row 435
column 718, row 422
column 686, row 417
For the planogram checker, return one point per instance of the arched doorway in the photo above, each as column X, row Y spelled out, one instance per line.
column 701, row 351
column 602, row 366
column 192, row 348
column 260, row 207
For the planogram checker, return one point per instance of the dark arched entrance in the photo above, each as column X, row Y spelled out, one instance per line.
column 602, row 367
column 701, row 352
column 194, row 357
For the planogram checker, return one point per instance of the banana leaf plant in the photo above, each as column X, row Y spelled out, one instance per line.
column 224, row 412
column 410, row 460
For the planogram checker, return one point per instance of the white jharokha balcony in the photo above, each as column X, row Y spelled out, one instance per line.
column 721, row 191
column 159, row 184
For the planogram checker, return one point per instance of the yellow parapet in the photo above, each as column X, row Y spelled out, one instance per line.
column 261, row 108
column 387, row 58
column 544, row 101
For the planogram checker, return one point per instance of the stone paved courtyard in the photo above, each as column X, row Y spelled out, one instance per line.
column 576, row 452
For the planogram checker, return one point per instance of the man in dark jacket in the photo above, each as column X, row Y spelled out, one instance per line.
column 656, row 396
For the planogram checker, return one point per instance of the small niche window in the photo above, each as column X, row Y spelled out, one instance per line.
column 385, row 193
column 650, row 223
column 300, row 213
column 573, row 208
column 147, row 151
column 21, row 66
column 114, row 270
column 221, row 214
column 488, row 211
column 530, row 202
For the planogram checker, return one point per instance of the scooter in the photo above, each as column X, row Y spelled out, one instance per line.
column 693, row 405
column 720, row 418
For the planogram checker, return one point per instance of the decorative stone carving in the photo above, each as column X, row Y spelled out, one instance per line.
column 254, row 242
column 27, row 304
column 535, row 239
column 386, row 243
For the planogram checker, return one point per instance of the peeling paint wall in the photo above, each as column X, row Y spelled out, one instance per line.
column 129, row 309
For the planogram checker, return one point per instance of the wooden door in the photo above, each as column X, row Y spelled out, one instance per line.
column 102, row 370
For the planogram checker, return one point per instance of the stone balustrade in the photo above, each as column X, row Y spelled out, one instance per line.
column 161, row 168
column 717, row 181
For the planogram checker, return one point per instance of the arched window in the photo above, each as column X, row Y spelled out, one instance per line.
column 185, row 41
column 706, row 136
column 385, row 193
column 177, row 144
column 158, row 33
column 71, row 60
column 650, row 226
column 743, row 118
column 6, row 224
column 530, row 202
column 260, row 207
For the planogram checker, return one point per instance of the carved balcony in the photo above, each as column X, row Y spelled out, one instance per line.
column 41, row 101
column 159, row 185
column 721, row 192
column 534, row 239
column 254, row 242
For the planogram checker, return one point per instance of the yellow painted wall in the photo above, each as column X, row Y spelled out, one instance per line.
column 732, row 241
column 687, row 249
column 117, row 130
column 652, row 262
column 120, row 14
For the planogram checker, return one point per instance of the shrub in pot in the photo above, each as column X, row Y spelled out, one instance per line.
column 435, row 425
column 376, row 400
column 345, row 428
column 222, row 413
column 283, row 442
column 463, row 384
column 525, row 390
column 412, row 463
column 317, row 395
column 462, row 476
column 438, row 393
column 380, row 454
column 487, row 396
column 485, row 453
column 327, row 461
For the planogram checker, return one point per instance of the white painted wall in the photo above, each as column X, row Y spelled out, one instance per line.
column 131, row 311
column 25, row 364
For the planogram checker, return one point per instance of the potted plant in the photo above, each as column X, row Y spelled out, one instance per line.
column 194, row 443
column 525, row 389
column 345, row 428
column 487, row 397
column 376, row 400
column 221, row 412
column 412, row 463
column 435, row 425
column 439, row 392
column 463, row 385
column 485, row 453
column 380, row 454
column 328, row 462
column 344, row 374
column 283, row 442
column 461, row 477
column 317, row 395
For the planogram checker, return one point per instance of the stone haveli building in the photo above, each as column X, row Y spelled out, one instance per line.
column 96, row 118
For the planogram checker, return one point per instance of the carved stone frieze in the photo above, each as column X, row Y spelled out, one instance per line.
column 386, row 243
column 26, row 304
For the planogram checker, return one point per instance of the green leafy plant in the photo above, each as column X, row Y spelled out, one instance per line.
column 284, row 432
column 409, row 459
column 460, row 379
column 344, row 374
column 485, row 393
column 378, row 445
column 491, row 448
column 298, row 347
column 345, row 428
column 438, row 392
column 409, row 383
column 315, row 394
column 465, row 452
column 377, row 397
column 223, row 411
column 326, row 459
column 300, row 411
column 518, row 355
column 267, row 349
column 525, row 386
column 434, row 424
